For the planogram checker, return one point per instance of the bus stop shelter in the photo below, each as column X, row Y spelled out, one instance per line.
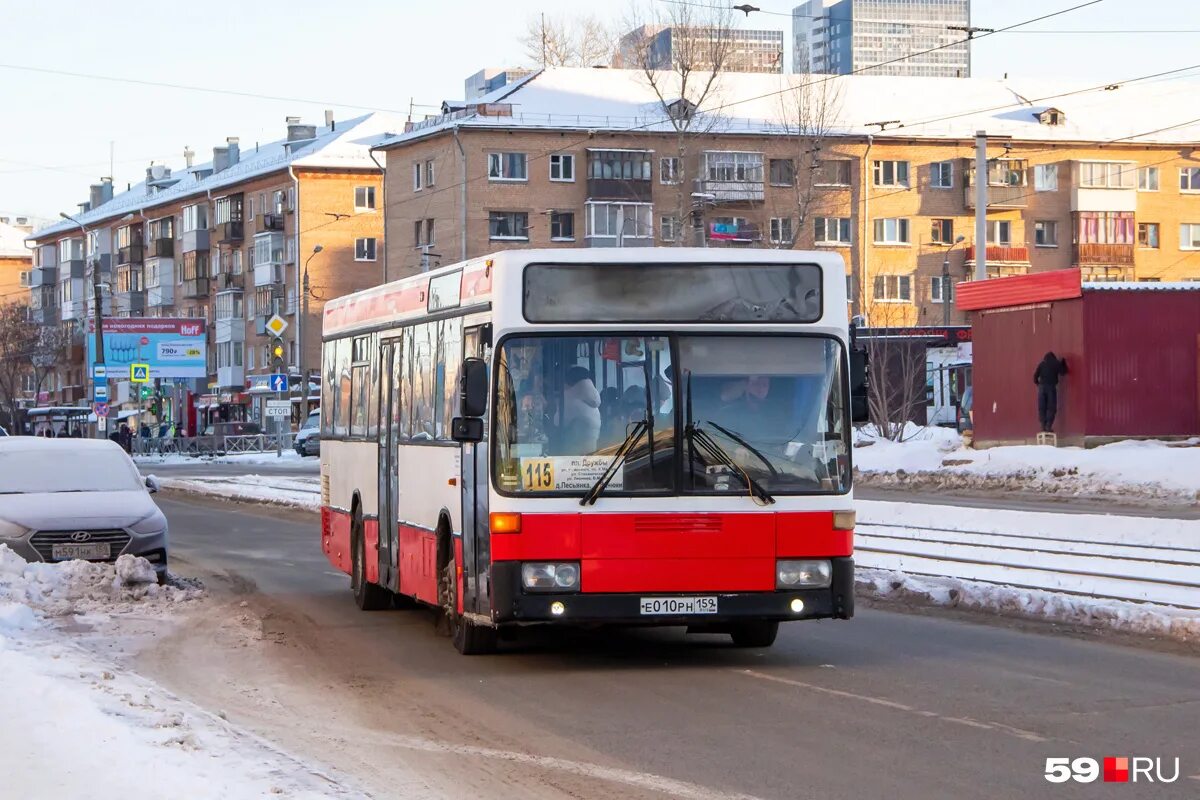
column 1132, row 352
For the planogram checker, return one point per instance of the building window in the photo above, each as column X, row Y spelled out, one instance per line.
column 622, row 221
column 1107, row 175
column 1045, row 233
column 938, row 285
column 1045, row 178
column 429, row 173
column 418, row 233
column 1189, row 236
column 942, row 231
column 508, row 226
column 418, row 178
column 732, row 166
column 1148, row 179
column 364, row 198
column 562, row 167
column 619, row 165
column 429, row 238
column 941, row 175
column 1189, row 179
column 507, row 167
column 999, row 232
column 834, row 172
column 1148, row 235
column 669, row 227
column 1105, row 227
column 832, row 230
column 562, row 226
column 195, row 218
column 364, row 249
column 893, row 288
column 890, row 173
column 891, row 231
column 783, row 172
column 781, row 230
column 668, row 170
column 250, row 216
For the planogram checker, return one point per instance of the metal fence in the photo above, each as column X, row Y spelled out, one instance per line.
column 214, row 445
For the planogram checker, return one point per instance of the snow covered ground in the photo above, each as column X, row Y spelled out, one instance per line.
column 298, row 492
column 77, row 726
column 289, row 456
column 935, row 458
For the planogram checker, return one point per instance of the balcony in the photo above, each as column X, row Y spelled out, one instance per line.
column 266, row 223
column 232, row 231
column 268, row 274
column 609, row 189
column 130, row 304
column 230, row 330
column 1103, row 255
column 228, row 280
column 43, row 276
column 194, row 241
column 162, row 248
column 731, row 191
column 44, row 316
column 1000, row 254
column 231, row 377
column 1000, row 197
column 194, row 288
column 160, row 296
column 133, row 254
column 75, row 268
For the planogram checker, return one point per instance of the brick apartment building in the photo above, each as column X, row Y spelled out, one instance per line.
column 15, row 262
column 1106, row 180
column 227, row 241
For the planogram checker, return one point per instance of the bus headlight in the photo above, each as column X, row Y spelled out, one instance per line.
column 807, row 574
column 550, row 576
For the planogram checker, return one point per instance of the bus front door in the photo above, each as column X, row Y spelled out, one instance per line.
column 474, row 479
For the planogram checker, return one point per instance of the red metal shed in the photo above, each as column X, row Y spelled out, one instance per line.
column 1132, row 350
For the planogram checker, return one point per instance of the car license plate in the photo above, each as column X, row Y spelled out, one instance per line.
column 679, row 605
column 86, row 552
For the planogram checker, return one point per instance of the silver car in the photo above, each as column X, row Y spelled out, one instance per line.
column 66, row 499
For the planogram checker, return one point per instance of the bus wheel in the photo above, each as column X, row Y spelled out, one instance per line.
column 469, row 639
column 367, row 596
column 758, row 633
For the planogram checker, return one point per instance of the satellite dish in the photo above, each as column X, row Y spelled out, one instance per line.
column 158, row 171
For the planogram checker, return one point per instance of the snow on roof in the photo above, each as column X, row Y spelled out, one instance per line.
column 12, row 242
column 620, row 99
column 1148, row 286
column 346, row 146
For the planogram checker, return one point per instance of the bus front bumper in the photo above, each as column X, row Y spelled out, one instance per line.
column 511, row 604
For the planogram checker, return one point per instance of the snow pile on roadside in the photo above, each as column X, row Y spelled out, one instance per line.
column 935, row 458
column 289, row 456
column 77, row 587
column 1139, row 618
column 299, row 492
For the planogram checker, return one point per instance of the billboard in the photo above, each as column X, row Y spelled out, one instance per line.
column 174, row 348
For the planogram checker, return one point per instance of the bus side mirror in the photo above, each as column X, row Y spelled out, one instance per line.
column 473, row 395
column 466, row 429
column 860, row 384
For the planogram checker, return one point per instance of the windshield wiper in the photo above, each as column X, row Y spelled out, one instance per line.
column 701, row 441
column 639, row 429
column 751, row 448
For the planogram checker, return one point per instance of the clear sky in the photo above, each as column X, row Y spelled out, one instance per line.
column 357, row 55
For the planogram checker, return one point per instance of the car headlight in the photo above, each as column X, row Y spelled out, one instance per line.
column 807, row 574
column 550, row 576
column 11, row 530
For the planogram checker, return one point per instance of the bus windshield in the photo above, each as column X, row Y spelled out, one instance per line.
column 774, row 405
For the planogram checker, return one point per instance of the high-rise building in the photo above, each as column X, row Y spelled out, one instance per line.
column 490, row 79
column 748, row 50
column 844, row 36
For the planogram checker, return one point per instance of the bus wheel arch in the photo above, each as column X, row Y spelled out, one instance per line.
column 367, row 596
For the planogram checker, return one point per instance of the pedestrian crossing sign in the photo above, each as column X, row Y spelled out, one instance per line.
column 139, row 373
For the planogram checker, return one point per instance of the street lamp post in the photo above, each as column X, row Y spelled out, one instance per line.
column 300, row 336
column 946, row 281
column 98, row 299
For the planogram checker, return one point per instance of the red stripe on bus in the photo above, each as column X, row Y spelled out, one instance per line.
column 542, row 536
column 678, row 575
column 672, row 535
column 418, row 563
column 458, row 573
column 371, row 547
column 811, row 533
column 335, row 537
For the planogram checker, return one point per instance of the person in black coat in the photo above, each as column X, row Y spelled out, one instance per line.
column 1045, row 377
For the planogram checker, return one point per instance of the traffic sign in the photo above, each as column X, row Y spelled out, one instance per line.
column 99, row 371
column 100, row 392
column 100, row 409
column 278, row 382
column 101, row 423
column 276, row 325
column 279, row 408
column 139, row 373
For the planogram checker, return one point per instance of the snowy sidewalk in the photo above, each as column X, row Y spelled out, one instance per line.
column 934, row 458
column 75, row 726
column 297, row 492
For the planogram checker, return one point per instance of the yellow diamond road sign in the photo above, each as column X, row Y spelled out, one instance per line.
column 139, row 373
column 276, row 325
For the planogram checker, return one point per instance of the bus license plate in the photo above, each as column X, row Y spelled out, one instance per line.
column 679, row 605
column 86, row 552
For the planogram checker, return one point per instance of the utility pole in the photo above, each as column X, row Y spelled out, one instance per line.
column 946, row 282
column 981, row 201
column 300, row 336
column 543, row 40
column 98, row 300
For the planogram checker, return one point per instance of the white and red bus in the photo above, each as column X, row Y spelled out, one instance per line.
column 627, row 436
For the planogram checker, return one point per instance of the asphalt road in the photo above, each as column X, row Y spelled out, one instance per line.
column 885, row 705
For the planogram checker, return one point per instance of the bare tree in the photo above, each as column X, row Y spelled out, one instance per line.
column 684, row 72
column 809, row 113
column 584, row 41
column 29, row 353
column 896, row 374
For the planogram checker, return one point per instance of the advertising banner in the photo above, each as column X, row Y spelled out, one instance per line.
column 174, row 348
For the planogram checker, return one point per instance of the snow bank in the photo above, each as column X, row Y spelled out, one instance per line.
column 298, row 492
column 935, row 458
column 289, row 456
column 1139, row 618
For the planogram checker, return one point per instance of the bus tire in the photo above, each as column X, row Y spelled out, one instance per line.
column 756, row 633
column 469, row 639
column 367, row 596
